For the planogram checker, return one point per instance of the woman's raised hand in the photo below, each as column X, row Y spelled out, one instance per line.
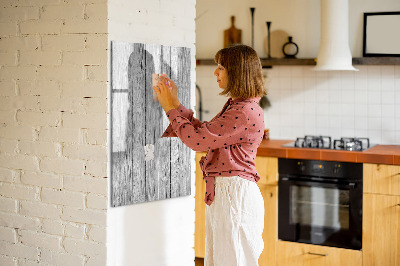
column 174, row 89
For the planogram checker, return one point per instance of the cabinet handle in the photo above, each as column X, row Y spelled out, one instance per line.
column 318, row 254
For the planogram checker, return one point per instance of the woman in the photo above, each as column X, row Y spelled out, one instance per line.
column 235, row 207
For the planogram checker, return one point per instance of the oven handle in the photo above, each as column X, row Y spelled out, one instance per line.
column 297, row 181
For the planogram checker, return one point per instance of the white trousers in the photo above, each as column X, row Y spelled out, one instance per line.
column 234, row 223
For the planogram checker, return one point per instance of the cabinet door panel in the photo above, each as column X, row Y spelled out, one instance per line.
column 200, row 207
column 381, row 230
column 270, row 233
column 267, row 168
column 381, row 179
column 297, row 254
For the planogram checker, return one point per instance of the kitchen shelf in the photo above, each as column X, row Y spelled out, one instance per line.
column 312, row 61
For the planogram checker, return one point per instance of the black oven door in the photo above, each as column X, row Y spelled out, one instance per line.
column 321, row 212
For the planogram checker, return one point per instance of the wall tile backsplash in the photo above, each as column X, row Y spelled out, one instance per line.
column 364, row 103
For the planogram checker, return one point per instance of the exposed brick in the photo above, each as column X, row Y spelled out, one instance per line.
column 19, row 250
column 26, row 262
column 7, row 88
column 84, row 247
column 58, row 134
column 17, row 132
column 85, row 152
column 97, row 11
column 8, row 205
column 94, row 201
column 63, row 197
column 60, row 258
column 85, row 121
column 97, row 234
column 39, row 118
column 98, row 73
column 86, row 184
column 40, row 58
column 62, row 12
column 8, row 146
column 32, row 2
column 7, row 175
column 26, row 103
column 62, row 166
column 18, row 161
column 8, row 234
column 60, row 73
column 18, row 13
column 53, row 227
column 87, row 216
column 96, row 168
column 97, row 42
column 96, row 136
column 41, row 179
column 19, row 221
column 18, row 72
column 39, row 87
column 8, row 58
column 8, row 260
column 67, row 42
column 38, row 209
column 75, row 230
column 56, row 103
column 97, row 260
column 19, row 43
column 35, row 239
column 17, row 191
column 84, row 26
column 40, row 148
column 87, row 88
column 40, row 27
column 87, row 57
column 7, row 117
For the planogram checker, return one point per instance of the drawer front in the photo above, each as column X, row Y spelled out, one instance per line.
column 293, row 254
column 381, row 179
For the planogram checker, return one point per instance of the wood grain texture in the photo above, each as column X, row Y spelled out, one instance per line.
column 381, row 179
column 270, row 233
column 200, row 207
column 137, row 123
column 298, row 254
column 267, row 168
column 381, row 230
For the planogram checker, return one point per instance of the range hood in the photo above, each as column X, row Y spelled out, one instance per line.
column 334, row 51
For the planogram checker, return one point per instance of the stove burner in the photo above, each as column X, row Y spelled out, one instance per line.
column 308, row 141
column 351, row 144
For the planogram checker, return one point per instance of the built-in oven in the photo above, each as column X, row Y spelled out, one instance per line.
column 320, row 202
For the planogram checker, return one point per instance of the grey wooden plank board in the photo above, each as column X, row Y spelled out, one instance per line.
column 144, row 166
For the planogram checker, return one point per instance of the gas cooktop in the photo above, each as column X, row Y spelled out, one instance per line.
column 325, row 142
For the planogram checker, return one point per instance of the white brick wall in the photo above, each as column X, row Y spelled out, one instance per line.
column 53, row 137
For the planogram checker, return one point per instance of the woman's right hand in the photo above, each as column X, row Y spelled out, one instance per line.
column 174, row 89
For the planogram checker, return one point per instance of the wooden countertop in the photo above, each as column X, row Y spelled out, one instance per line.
column 379, row 154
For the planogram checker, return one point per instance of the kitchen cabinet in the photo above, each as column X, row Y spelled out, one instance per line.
column 200, row 207
column 291, row 253
column 381, row 215
column 267, row 168
column 381, row 179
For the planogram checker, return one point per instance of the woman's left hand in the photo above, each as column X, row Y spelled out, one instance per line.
column 163, row 92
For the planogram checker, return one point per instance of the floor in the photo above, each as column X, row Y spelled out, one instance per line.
column 199, row 262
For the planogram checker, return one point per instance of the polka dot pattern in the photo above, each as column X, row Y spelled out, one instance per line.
column 231, row 139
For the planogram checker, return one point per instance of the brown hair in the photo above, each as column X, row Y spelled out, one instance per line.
column 245, row 78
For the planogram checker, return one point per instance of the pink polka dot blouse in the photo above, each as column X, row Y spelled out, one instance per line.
column 231, row 139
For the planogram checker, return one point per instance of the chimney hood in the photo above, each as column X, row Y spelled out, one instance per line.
column 334, row 51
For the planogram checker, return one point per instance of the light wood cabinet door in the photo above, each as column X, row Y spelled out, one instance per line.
column 381, row 179
column 381, row 230
column 267, row 168
column 200, row 207
column 270, row 233
column 298, row 254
